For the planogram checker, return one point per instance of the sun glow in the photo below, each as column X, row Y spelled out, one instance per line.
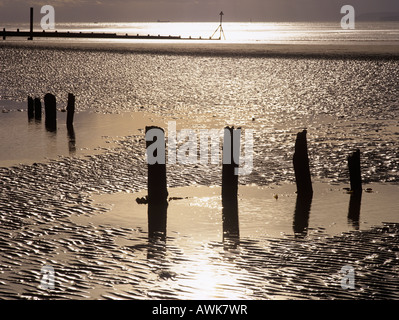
column 210, row 281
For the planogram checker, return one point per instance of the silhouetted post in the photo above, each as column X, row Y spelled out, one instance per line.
column 50, row 109
column 69, row 123
column 156, row 157
column 354, row 171
column 231, row 154
column 38, row 109
column 301, row 165
column 157, row 186
column 31, row 24
column 4, row 33
column 70, row 109
column 31, row 108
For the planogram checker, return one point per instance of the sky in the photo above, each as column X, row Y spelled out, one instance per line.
column 192, row 10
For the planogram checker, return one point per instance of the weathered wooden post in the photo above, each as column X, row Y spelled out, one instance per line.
column 70, row 110
column 38, row 109
column 304, row 185
column 31, row 108
column 355, row 177
column 69, row 123
column 301, row 165
column 355, row 171
column 157, row 186
column 50, row 109
column 231, row 155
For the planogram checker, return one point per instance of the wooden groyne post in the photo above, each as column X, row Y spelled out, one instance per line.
column 50, row 109
column 301, row 165
column 231, row 155
column 69, row 123
column 304, row 185
column 31, row 108
column 355, row 171
column 355, row 188
column 38, row 109
column 70, row 110
column 157, row 186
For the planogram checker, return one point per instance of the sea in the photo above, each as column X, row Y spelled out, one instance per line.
column 272, row 32
column 68, row 201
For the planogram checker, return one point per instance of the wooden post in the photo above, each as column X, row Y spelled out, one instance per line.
column 31, row 108
column 157, row 186
column 70, row 109
column 69, row 123
column 31, row 24
column 50, row 109
column 4, row 33
column 231, row 153
column 355, row 171
column 38, row 109
column 301, row 165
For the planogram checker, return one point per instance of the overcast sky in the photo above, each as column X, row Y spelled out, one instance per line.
column 191, row 10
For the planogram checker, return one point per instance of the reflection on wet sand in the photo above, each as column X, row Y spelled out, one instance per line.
column 101, row 249
column 301, row 214
column 231, row 230
column 157, row 221
column 156, row 249
column 354, row 209
column 71, row 139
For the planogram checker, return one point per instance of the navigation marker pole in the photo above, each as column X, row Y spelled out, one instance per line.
column 220, row 28
column 31, row 25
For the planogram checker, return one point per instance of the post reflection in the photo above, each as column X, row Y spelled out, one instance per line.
column 156, row 249
column 354, row 209
column 157, row 217
column 231, row 230
column 71, row 139
column 301, row 215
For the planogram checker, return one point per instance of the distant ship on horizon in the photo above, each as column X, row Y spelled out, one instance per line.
column 163, row 20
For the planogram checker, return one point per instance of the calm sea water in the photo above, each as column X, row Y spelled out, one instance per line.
column 77, row 212
column 245, row 32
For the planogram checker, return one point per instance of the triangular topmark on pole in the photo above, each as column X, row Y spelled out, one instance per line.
column 220, row 28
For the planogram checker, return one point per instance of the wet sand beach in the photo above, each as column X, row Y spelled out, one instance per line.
column 361, row 49
column 75, row 208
